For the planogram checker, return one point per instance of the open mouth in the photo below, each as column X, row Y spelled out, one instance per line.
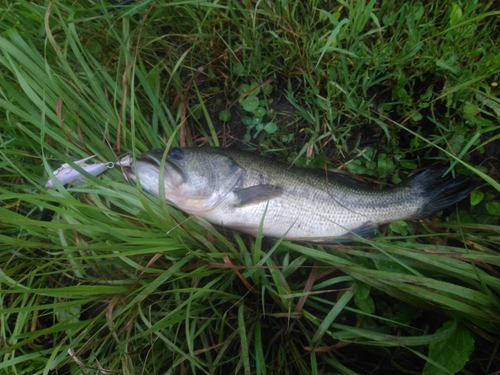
column 128, row 170
column 148, row 158
column 127, row 163
column 131, row 169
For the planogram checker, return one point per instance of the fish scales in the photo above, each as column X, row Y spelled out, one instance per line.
column 241, row 190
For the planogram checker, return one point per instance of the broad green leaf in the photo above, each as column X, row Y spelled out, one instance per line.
column 493, row 208
column 250, row 104
column 455, row 14
column 362, row 298
column 225, row 116
column 452, row 353
column 260, row 112
column 476, row 197
column 243, row 89
column 385, row 163
column 400, row 227
column 470, row 111
column 271, row 127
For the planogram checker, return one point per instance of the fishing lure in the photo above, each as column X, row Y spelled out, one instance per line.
column 66, row 174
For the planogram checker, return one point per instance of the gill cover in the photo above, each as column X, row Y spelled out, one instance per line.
column 194, row 182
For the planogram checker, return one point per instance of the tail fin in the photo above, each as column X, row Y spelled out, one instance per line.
column 440, row 192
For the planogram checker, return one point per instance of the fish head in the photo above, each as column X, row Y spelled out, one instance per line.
column 195, row 180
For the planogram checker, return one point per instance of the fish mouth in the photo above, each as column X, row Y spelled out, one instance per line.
column 148, row 158
column 128, row 172
column 169, row 166
column 128, row 164
column 130, row 167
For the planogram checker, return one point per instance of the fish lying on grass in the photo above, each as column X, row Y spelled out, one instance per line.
column 240, row 190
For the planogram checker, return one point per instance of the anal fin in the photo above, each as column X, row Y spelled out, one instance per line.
column 365, row 230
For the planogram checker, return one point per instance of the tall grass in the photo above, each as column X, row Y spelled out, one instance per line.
column 119, row 282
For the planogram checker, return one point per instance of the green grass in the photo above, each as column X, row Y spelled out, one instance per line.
column 119, row 282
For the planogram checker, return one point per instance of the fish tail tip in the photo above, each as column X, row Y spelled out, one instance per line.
column 441, row 192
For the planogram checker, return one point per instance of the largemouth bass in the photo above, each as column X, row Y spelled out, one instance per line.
column 243, row 191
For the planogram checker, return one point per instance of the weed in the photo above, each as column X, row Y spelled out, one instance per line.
column 121, row 282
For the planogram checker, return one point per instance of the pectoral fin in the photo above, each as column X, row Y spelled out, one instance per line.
column 257, row 193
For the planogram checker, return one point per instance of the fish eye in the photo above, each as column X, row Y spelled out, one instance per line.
column 175, row 153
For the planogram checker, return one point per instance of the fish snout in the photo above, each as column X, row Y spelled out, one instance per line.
column 128, row 167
